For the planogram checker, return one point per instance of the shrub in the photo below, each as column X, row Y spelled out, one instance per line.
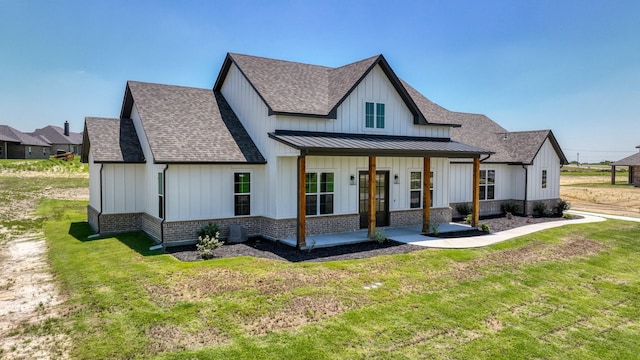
column 561, row 207
column 468, row 219
column 509, row 208
column 540, row 209
column 211, row 230
column 379, row 236
column 463, row 209
column 434, row 228
column 485, row 227
column 207, row 246
column 208, row 240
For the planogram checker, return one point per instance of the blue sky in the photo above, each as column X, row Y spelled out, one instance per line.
column 571, row 66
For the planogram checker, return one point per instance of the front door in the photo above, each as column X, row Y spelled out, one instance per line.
column 382, row 198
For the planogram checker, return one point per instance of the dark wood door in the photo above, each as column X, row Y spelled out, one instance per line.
column 382, row 198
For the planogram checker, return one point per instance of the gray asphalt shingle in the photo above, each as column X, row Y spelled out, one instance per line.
column 191, row 125
column 9, row 134
column 112, row 140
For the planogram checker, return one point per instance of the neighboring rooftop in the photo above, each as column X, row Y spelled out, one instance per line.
column 56, row 135
column 632, row 160
column 9, row 134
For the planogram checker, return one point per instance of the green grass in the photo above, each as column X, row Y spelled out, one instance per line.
column 566, row 293
column 47, row 165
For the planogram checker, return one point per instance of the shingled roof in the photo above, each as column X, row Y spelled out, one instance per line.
column 55, row 135
column 111, row 141
column 480, row 131
column 189, row 125
column 633, row 160
column 293, row 88
column 9, row 134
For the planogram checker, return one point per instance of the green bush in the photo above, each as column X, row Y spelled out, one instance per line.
column 207, row 246
column 211, row 230
column 561, row 207
column 379, row 236
column 540, row 209
column 463, row 209
column 485, row 227
column 509, row 208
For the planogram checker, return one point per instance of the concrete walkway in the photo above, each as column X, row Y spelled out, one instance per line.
column 484, row 240
column 413, row 234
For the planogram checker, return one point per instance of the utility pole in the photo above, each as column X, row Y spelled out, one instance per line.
column 578, row 160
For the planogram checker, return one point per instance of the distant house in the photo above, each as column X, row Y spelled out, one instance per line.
column 288, row 150
column 633, row 162
column 15, row 144
column 61, row 139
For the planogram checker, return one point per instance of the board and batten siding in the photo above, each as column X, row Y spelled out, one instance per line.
column 546, row 159
column 151, row 170
column 202, row 192
column 509, row 181
column 123, row 188
column 345, row 194
column 94, row 183
column 376, row 88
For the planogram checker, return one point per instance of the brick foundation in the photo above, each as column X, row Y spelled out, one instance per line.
column 414, row 217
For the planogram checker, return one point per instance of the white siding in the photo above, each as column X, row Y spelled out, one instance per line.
column 509, row 182
column 546, row 159
column 200, row 192
column 345, row 194
column 377, row 88
column 94, row 183
column 123, row 184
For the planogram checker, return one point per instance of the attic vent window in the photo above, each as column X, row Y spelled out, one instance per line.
column 374, row 115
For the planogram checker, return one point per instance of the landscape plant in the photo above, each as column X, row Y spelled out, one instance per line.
column 379, row 236
column 561, row 207
column 208, row 241
column 540, row 209
column 510, row 208
column 463, row 209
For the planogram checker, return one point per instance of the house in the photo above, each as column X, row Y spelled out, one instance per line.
column 61, row 139
column 15, row 144
column 633, row 162
column 290, row 150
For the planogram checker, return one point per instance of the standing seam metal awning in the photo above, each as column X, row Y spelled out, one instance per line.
column 340, row 144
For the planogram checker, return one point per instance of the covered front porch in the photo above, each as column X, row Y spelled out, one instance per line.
column 412, row 233
column 373, row 146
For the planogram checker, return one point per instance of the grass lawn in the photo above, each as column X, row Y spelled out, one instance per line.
column 567, row 293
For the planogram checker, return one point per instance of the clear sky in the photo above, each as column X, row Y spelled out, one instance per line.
column 569, row 66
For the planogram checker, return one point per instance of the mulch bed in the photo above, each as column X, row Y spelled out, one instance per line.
column 261, row 248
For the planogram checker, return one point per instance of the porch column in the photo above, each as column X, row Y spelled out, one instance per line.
column 475, row 207
column 372, row 195
column 613, row 175
column 302, row 203
column 426, row 194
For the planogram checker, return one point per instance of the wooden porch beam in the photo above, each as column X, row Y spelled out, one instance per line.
column 475, row 207
column 426, row 195
column 372, row 196
column 613, row 175
column 302, row 203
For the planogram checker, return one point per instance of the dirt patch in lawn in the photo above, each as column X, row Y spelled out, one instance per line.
column 583, row 194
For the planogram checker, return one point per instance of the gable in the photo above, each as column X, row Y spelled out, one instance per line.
column 291, row 88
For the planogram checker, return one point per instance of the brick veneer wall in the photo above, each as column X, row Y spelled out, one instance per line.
column 151, row 226
column 110, row 223
column 414, row 217
column 487, row 208
column 92, row 218
column 551, row 203
column 332, row 224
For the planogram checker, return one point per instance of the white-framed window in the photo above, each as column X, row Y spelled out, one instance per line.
column 29, row 148
column 161, row 195
column 242, row 193
column 544, row 179
column 374, row 115
column 487, row 184
column 415, row 188
column 319, row 193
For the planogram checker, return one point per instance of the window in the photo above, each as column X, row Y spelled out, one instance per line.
column 161, row 195
column 544, row 179
column 374, row 111
column 44, row 151
column 415, row 201
column 487, row 184
column 242, row 193
column 29, row 150
column 319, row 193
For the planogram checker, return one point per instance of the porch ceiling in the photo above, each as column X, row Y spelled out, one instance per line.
column 340, row 144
